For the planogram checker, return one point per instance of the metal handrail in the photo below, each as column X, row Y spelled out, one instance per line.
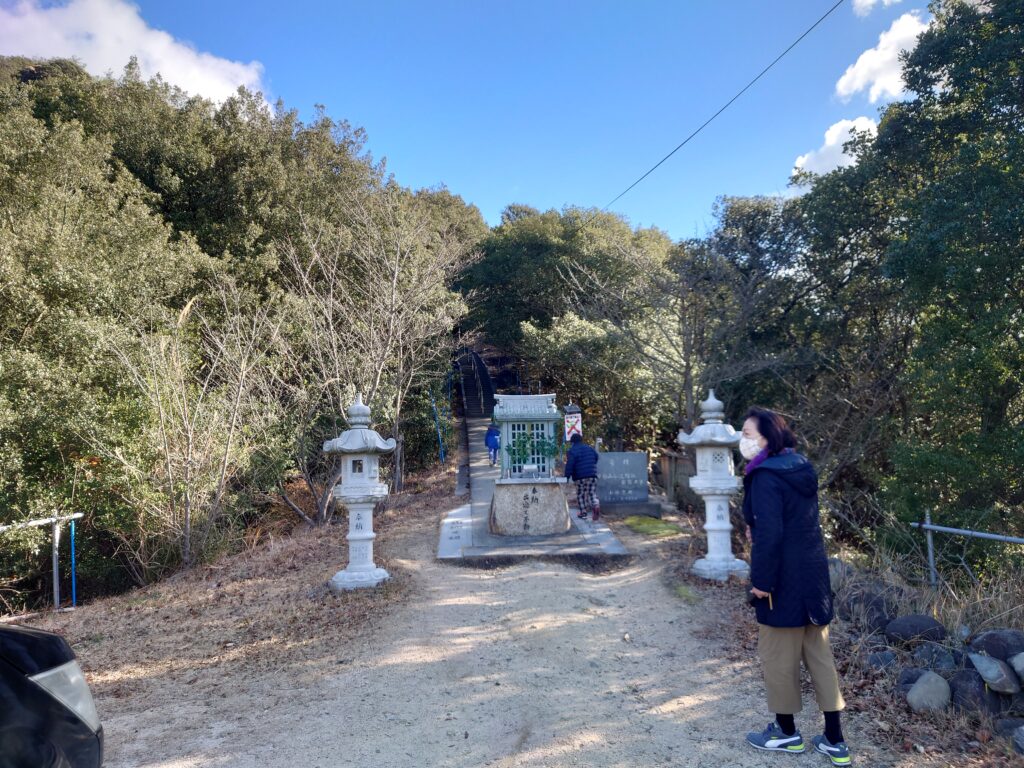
column 928, row 528
column 462, row 386
column 43, row 521
column 479, row 383
column 487, row 398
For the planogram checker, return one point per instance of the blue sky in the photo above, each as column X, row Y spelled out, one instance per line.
column 543, row 103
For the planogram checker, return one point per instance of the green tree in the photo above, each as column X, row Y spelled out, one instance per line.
column 955, row 156
column 81, row 249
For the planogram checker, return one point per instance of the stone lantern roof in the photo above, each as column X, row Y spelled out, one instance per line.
column 359, row 439
column 526, row 408
column 713, row 432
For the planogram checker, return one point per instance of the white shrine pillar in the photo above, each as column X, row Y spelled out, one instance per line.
column 360, row 490
column 715, row 481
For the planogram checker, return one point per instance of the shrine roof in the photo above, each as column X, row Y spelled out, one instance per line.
column 526, row 408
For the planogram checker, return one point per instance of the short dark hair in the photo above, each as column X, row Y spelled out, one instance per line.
column 576, row 438
column 773, row 428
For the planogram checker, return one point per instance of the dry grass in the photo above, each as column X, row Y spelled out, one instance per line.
column 960, row 600
column 265, row 608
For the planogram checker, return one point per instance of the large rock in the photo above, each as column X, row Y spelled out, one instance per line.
column 1017, row 663
column 839, row 573
column 1018, row 740
column 866, row 608
column 916, row 627
column 998, row 674
column 930, row 693
column 971, row 695
column 999, row 643
column 935, row 656
column 907, row 679
column 881, row 659
column 1007, row 725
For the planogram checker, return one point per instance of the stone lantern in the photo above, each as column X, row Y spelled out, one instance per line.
column 359, row 490
column 716, row 482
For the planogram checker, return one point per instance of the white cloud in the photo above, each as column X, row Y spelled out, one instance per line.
column 864, row 7
column 830, row 155
column 878, row 70
column 104, row 34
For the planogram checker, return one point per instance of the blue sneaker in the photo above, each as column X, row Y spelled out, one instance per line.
column 839, row 753
column 773, row 739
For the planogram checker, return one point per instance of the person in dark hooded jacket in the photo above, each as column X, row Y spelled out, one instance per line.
column 790, row 588
column 581, row 466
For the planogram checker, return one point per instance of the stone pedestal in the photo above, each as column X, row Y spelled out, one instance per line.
column 361, row 571
column 522, row 507
column 720, row 563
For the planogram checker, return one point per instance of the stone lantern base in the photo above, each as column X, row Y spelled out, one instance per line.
column 361, row 571
column 346, row 579
column 720, row 569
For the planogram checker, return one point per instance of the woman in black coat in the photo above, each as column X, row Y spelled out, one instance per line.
column 790, row 587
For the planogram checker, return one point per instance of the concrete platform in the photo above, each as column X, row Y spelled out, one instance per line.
column 465, row 535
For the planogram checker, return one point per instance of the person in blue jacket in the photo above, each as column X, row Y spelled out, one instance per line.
column 581, row 467
column 493, row 442
column 790, row 588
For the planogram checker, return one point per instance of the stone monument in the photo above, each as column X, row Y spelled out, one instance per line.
column 359, row 490
column 715, row 481
column 528, row 498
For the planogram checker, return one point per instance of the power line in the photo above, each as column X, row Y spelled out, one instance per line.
column 722, row 109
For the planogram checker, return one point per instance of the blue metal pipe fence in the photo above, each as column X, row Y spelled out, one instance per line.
column 55, row 522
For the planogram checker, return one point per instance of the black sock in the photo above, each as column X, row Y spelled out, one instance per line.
column 833, row 731
column 786, row 723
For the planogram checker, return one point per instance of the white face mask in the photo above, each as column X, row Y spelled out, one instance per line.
column 749, row 447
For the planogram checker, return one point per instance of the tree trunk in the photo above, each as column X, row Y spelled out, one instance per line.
column 399, row 464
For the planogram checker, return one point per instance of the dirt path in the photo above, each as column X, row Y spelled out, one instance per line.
column 532, row 665
column 521, row 666
column 245, row 664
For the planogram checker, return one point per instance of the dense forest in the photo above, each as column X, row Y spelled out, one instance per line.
column 191, row 293
column 880, row 306
column 190, row 296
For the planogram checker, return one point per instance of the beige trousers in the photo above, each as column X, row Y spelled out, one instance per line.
column 781, row 650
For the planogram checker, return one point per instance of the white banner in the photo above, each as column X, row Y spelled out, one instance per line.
column 573, row 425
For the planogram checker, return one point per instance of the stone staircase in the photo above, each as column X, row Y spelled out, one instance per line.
column 477, row 387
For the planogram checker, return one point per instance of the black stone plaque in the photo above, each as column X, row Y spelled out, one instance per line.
column 622, row 477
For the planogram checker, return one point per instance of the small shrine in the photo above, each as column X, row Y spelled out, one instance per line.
column 528, row 434
column 528, row 498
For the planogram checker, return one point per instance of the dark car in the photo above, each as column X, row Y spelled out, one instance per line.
column 47, row 716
